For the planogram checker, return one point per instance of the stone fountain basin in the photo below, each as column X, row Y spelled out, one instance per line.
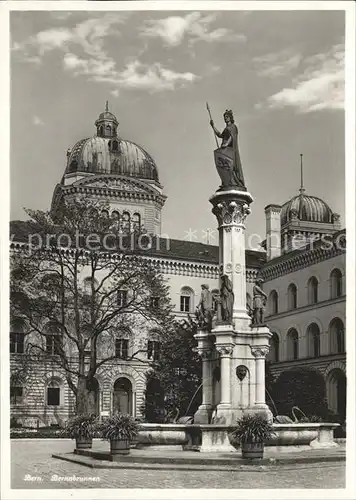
column 217, row 437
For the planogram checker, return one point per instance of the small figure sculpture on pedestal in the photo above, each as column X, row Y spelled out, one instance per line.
column 226, row 302
column 259, row 302
column 204, row 310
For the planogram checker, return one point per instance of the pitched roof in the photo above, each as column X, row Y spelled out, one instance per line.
column 20, row 232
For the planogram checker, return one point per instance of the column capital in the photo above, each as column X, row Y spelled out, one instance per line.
column 259, row 351
column 225, row 351
column 231, row 212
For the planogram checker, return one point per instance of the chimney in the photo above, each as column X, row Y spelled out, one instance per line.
column 273, row 231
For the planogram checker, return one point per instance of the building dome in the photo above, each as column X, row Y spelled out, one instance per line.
column 98, row 155
column 107, row 115
column 306, row 208
column 107, row 153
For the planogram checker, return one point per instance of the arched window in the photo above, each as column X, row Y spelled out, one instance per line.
column 292, row 344
column 101, row 130
column 114, row 146
column 335, row 283
column 125, row 222
column 337, row 336
column 136, row 222
column 274, row 348
column 104, row 213
column 54, row 340
column 292, row 296
column 54, row 396
column 108, row 130
column 186, row 299
column 313, row 290
column 273, row 302
column 313, row 336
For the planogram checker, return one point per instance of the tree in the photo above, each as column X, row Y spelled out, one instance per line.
column 81, row 290
column 175, row 379
column 301, row 387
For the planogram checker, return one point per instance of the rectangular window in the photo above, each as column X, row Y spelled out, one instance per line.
column 153, row 350
column 16, row 395
column 185, row 303
column 17, row 343
column 121, row 298
column 121, row 348
column 53, row 344
column 154, row 302
column 53, row 396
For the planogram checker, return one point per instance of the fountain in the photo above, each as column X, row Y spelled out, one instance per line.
column 231, row 339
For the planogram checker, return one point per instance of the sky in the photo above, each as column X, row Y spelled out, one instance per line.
column 281, row 72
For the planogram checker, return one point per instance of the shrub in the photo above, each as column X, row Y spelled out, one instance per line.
column 253, row 428
column 119, row 426
column 82, row 426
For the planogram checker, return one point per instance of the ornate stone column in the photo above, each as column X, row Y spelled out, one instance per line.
column 231, row 209
column 260, row 353
column 204, row 349
column 225, row 352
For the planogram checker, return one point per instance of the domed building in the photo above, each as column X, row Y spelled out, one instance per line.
column 302, row 264
column 108, row 168
column 304, row 279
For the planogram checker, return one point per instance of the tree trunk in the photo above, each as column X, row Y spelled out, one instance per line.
column 87, row 397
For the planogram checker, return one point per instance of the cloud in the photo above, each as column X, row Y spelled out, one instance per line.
column 135, row 75
column 87, row 39
column 277, row 63
column 89, row 35
column 36, row 120
column 155, row 77
column 319, row 87
column 195, row 26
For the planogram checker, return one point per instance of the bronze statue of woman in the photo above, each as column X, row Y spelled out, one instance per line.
column 227, row 157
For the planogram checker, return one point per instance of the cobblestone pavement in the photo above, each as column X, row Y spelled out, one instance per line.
column 32, row 459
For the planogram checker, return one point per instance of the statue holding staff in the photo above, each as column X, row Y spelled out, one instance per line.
column 227, row 157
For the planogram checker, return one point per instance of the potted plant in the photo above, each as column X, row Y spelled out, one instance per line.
column 252, row 432
column 119, row 429
column 82, row 428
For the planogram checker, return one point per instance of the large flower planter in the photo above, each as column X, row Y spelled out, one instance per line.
column 119, row 447
column 83, row 443
column 252, row 450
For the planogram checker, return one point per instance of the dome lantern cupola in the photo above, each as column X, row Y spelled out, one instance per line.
column 106, row 124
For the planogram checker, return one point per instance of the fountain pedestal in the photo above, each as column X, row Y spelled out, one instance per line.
column 240, row 348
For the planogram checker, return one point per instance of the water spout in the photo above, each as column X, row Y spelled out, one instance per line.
column 191, row 401
column 274, row 406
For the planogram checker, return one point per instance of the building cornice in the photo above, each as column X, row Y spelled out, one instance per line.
column 309, row 307
column 290, row 263
column 177, row 267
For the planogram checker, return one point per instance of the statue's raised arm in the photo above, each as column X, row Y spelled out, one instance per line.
column 227, row 156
